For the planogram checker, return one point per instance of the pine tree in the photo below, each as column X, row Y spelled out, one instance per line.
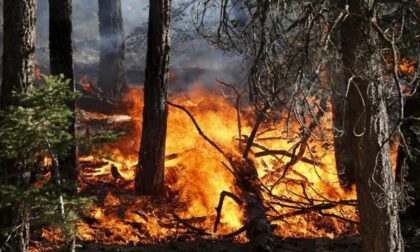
column 150, row 173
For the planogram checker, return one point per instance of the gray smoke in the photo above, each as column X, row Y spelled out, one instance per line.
column 192, row 58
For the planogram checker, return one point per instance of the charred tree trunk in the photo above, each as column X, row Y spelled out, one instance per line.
column 376, row 190
column 345, row 108
column 150, row 173
column 112, row 75
column 258, row 229
column 18, row 74
column 366, row 107
column 408, row 170
column 19, row 48
column 61, row 62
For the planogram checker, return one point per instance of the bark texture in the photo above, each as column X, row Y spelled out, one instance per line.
column 19, row 47
column 258, row 229
column 61, row 62
column 18, row 74
column 376, row 190
column 345, row 108
column 112, row 74
column 150, row 174
column 411, row 172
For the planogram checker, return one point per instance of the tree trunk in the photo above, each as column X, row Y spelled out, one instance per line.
column 411, row 172
column 18, row 74
column 258, row 229
column 19, row 48
column 61, row 62
column 150, row 173
column 112, row 75
column 366, row 108
column 345, row 109
column 376, row 190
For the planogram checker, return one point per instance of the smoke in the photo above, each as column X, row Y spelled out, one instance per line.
column 192, row 58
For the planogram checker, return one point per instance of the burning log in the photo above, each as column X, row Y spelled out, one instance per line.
column 92, row 164
column 96, row 120
column 95, row 100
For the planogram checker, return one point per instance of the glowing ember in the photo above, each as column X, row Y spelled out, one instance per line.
column 408, row 66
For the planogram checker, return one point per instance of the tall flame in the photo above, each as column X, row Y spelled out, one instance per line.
column 195, row 177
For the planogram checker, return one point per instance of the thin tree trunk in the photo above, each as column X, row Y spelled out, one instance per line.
column 150, row 173
column 18, row 74
column 376, row 190
column 112, row 75
column 61, row 62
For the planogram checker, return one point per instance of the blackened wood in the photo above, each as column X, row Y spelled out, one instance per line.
column 150, row 173
column 19, row 48
column 258, row 228
column 18, row 74
column 367, row 112
column 345, row 109
column 61, row 62
column 408, row 168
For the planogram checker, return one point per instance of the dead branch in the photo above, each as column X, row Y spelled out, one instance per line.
column 220, row 206
column 314, row 208
column 200, row 131
column 185, row 223
column 287, row 154
column 237, row 232
column 338, row 217
column 257, row 124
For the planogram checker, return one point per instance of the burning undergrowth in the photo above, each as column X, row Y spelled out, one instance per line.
column 304, row 200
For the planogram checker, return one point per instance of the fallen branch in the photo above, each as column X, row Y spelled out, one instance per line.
column 233, row 234
column 187, row 225
column 305, row 211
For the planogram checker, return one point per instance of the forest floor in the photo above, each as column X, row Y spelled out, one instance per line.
column 345, row 244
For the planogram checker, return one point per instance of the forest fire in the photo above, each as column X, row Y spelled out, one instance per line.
column 259, row 126
column 195, row 176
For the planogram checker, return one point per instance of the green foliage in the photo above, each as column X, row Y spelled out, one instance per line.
column 39, row 123
column 95, row 144
column 44, row 202
column 38, row 127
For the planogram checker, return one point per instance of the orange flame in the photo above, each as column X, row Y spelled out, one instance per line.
column 195, row 177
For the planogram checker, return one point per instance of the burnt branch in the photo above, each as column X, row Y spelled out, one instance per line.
column 200, row 131
column 187, row 225
column 220, row 206
column 287, row 154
